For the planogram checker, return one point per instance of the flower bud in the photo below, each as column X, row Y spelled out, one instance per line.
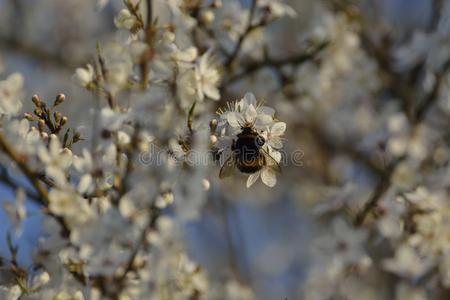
column 29, row 116
column 58, row 116
column 125, row 19
column 40, row 280
column 36, row 100
column 213, row 125
column 207, row 17
column 213, row 139
column 76, row 137
column 164, row 199
column 38, row 112
column 205, row 184
column 216, row 4
column 59, row 99
column 63, row 121
column 41, row 125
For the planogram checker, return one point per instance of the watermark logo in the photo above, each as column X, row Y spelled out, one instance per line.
column 158, row 157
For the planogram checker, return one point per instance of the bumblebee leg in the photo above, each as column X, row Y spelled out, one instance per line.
column 233, row 145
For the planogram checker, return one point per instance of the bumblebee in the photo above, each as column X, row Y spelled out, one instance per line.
column 248, row 154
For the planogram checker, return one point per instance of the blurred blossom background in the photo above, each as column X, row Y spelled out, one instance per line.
column 363, row 87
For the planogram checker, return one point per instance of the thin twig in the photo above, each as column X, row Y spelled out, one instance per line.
column 402, row 87
column 149, row 13
column 432, row 97
column 40, row 55
column 201, row 25
column 438, row 6
column 35, row 181
column 37, row 184
column 155, row 213
column 385, row 181
column 383, row 185
column 346, row 148
column 104, row 77
column 6, row 179
column 297, row 59
column 244, row 35
column 130, row 152
column 149, row 37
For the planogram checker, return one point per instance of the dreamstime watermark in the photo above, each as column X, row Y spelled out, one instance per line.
column 198, row 158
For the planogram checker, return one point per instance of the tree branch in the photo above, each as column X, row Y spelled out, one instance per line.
column 149, row 13
column 401, row 86
column 241, row 39
column 6, row 179
column 42, row 56
column 296, row 59
column 35, row 181
column 37, row 184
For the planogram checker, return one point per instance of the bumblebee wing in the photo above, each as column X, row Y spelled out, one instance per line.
column 271, row 162
column 227, row 167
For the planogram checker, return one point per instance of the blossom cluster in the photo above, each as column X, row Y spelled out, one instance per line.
column 367, row 102
column 261, row 119
column 114, row 227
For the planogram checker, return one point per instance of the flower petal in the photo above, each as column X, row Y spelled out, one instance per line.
column 188, row 54
column 234, row 119
column 268, row 177
column 265, row 110
column 211, row 91
column 55, row 145
column 263, row 120
column 275, row 142
column 250, row 99
column 65, row 159
column 44, row 155
column 250, row 114
column 85, row 183
column 278, row 129
column 276, row 155
column 252, row 179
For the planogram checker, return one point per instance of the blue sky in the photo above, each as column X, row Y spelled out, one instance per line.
column 32, row 228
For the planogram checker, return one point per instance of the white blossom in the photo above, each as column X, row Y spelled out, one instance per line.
column 268, row 172
column 132, row 206
column 11, row 94
column 343, row 245
column 56, row 159
column 273, row 135
column 277, row 8
column 17, row 211
column 247, row 111
column 207, row 78
column 84, row 76
column 69, row 205
column 12, row 293
column 125, row 20
column 408, row 263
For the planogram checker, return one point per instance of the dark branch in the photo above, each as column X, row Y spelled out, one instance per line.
column 241, row 39
column 383, row 185
column 6, row 179
column 149, row 13
column 37, row 184
column 42, row 56
column 35, row 181
column 277, row 63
